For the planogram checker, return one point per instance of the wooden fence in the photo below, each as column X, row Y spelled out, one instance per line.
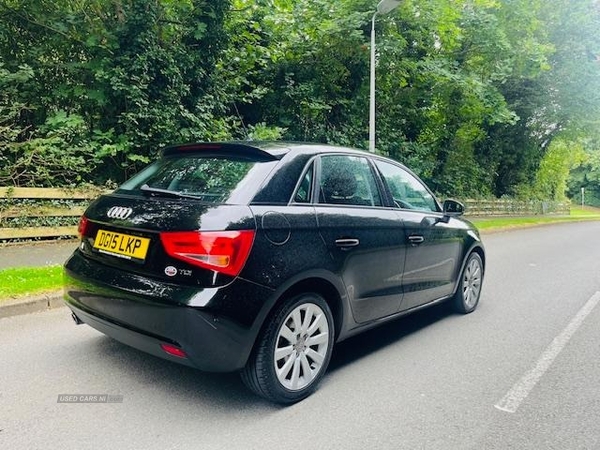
column 510, row 207
column 47, row 213
column 34, row 213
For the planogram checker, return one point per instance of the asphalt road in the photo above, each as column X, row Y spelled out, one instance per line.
column 522, row 372
column 38, row 254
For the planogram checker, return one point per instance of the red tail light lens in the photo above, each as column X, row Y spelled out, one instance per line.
column 82, row 229
column 222, row 251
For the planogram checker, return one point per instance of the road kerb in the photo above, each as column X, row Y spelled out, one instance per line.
column 29, row 305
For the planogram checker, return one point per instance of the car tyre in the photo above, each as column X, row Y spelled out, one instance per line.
column 293, row 350
column 467, row 295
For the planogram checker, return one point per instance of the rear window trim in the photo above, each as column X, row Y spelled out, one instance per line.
column 311, row 163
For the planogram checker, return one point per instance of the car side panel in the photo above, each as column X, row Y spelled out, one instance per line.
column 433, row 264
column 372, row 269
column 287, row 242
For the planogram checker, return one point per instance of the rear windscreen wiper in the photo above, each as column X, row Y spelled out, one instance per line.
column 164, row 192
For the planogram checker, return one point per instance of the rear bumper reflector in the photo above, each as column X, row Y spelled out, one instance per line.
column 172, row 350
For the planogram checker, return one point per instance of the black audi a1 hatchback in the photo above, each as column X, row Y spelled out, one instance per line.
column 259, row 257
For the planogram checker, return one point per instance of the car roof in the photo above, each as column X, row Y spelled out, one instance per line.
column 275, row 149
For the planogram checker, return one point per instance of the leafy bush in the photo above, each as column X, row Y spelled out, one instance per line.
column 55, row 154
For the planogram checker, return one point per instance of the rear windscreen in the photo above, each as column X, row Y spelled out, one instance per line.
column 212, row 179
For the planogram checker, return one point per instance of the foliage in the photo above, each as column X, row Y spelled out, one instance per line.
column 261, row 132
column 479, row 97
column 586, row 174
column 56, row 153
column 102, row 84
column 555, row 167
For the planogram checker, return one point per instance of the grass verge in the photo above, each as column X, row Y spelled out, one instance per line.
column 500, row 223
column 24, row 281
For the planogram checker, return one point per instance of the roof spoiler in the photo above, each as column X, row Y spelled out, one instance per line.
column 218, row 148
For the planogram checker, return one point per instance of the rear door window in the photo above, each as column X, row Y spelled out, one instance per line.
column 348, row 180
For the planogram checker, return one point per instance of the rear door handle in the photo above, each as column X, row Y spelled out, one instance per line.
column 346, row 243
column 416, row 239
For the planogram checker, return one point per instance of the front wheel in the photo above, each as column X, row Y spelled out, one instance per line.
column 293, row 350
column 469, row 288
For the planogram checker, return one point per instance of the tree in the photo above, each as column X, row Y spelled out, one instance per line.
column 134, row 75
column 556, row 94
column 585, row 172
column 472, row 94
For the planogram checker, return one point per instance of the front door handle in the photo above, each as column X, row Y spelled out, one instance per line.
column 416, row 239
column 346, row 243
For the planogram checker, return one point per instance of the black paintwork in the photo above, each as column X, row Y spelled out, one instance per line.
column 404, row 259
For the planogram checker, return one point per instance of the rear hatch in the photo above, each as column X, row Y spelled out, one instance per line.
column 184, row 218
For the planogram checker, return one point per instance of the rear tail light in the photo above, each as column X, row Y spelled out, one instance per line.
column 82, row 229
column 221, row 251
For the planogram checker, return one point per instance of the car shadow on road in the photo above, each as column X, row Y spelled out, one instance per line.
column 368, row 343
column 220, row 392
column 225, row 392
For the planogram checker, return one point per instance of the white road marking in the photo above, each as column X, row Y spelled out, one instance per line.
column 519, row 392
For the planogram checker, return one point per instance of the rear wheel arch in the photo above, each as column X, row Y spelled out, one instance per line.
column 322, row 283
column 320, row 286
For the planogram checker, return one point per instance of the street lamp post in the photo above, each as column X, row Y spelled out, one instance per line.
column 383, row 7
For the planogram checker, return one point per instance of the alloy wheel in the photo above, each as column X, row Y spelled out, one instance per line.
column 471, row 283
column 301, row 346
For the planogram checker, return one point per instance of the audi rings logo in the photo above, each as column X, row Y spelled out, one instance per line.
column 119, row 212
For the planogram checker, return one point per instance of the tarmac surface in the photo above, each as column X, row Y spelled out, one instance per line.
column 36, row 255
column 519, row 373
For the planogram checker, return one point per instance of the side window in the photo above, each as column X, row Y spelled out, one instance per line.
column 408, row 191
column 347, row 180
column 305, row 187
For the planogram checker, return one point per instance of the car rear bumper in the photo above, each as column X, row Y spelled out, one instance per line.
column 133, row 338
column 143, row 319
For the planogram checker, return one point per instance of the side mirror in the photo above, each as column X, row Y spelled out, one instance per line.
column 452, row 208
